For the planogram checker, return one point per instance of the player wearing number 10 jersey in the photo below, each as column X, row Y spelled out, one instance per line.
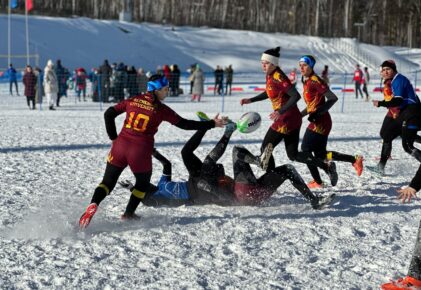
column 134, row 145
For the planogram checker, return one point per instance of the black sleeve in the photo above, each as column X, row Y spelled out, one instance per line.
column 261, row 97
column 331, row 100
column 304, row 112
column 109, row 116
column 416, row 181
column 167, row 170
column 394, row 102
column 195, row 125
column 294, row 97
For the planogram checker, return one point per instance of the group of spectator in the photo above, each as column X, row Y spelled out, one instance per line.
column 220, row 75
column 119, row 81
column 197, row 80
column 113, row 82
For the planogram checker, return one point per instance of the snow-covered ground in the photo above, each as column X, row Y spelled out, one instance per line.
column 52, row 161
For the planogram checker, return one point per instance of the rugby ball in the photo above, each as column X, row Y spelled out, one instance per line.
column 249, row 122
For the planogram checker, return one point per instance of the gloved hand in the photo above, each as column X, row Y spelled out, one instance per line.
column 313, row 117
column 126, row 184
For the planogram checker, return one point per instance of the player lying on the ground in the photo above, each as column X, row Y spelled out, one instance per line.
column 208, row 183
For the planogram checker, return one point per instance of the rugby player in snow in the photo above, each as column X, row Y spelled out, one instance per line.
column 134, row 144
column 319, row 99
column 208, row 184
column 286, row 116
column 401, row 101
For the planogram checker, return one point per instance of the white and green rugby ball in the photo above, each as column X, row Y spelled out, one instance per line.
column 249, row 122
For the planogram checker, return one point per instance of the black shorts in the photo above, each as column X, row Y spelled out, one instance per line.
column 314, row 142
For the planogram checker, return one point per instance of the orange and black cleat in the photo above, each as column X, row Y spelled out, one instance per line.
column 314, row 184
column 358, row 164
column 407, row 283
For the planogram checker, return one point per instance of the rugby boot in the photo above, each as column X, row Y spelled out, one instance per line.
column 358, row 164
column 314, row 184
column 407, row 283
column 85, row 219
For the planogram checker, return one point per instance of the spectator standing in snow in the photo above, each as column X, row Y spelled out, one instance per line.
column 229, row 75
column 30, row 81
column 219, row 80
column 105, row 72
column 358, row 76
column 50, row 84
column 80, row 81
column 174, row 80
column 198, row 79
column 39, row 88
column 11, row 72
column 365, row 81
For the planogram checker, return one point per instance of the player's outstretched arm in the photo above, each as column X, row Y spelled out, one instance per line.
column 260, row 97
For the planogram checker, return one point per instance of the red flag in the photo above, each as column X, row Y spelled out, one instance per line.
column 29, row 5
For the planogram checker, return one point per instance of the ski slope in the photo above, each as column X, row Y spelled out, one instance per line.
column 87, row 42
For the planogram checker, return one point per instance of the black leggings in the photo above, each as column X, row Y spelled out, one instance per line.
column 111, row 175
column 390, row 130
column 291, row 147
column 203, row 183
column 29, row 100
column 270, row 180
column 314, row 143
column 208, row 169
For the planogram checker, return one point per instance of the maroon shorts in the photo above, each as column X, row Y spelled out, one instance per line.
column 288, row 122
column 137, row 155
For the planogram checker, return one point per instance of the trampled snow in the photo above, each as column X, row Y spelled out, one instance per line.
column 51, row 162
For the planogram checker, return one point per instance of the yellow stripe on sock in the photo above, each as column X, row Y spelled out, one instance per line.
column 329, row 156
column 104, row 187
column 138, row 193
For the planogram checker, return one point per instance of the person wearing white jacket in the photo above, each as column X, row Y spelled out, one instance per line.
column 50, row 84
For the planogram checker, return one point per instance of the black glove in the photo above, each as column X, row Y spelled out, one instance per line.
column 126, row 184
column 313, row 117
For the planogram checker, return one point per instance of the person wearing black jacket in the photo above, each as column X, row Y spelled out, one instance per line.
column 133, row 146
column 286, row 116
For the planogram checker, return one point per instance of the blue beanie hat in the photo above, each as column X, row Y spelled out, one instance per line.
column 157, row 82
column 308, row 59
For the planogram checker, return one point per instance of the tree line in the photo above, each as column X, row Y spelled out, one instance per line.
column 380, row 22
